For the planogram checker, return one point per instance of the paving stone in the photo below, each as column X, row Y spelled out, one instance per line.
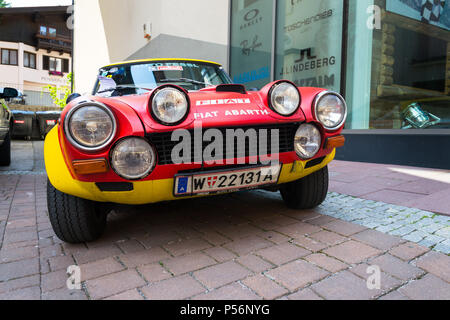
column 10, row 255
column 427, row 288
column 96, row 253
column 247, row 245
column 254, row 263
column 394, row 295
column 234, row 291
column 20, row 283
column 299, row 229
column 396, row 267
column 221, row 274
column 186, row 246
column 264, row 287
column 305, row 294
column 282, row 253
column 19, row 269
column 344, row 228
column 154, row 272
column 127, row 295
column 408, row 251
column 328, row 237
column 443, row 247
column 377, row 239
column 310, row 244
column 387, row 282
column 177, row 288
column 326, row 262
column 296, row 274
column 64, row 294
column 220, row 254
column 31, row 293
column 436, row 263
column 144, row 257
column 130, row 246
column 344, row 286
column 188, row 263
column 99, row 268
column 54, row 280
column 114, row 283
column 352, row 252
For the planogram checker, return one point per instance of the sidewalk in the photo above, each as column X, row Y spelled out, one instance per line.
column 246, row 245
column 426, row 189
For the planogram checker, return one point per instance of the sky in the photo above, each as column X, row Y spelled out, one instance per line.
column 39, row 3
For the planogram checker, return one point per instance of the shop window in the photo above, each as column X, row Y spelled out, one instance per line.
column 251, row 42
column 9, row 57
column 29, row 60
column 309, row 42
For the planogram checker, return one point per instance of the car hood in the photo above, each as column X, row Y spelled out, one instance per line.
column 211, row 109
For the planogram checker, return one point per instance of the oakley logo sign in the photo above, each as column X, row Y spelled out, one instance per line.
column 252, row 14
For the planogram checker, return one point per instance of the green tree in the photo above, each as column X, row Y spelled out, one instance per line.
column 56, row 92
column 4, row 4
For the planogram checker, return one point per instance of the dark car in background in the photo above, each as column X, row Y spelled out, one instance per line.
column 6, row 125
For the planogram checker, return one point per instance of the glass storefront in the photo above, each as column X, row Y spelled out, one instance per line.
column 394, row 72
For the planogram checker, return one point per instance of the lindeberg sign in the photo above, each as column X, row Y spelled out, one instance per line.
column 312, row 53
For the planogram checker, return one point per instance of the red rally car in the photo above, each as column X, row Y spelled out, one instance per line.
column 165, row 129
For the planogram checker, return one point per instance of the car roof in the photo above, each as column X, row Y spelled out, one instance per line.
column 159, row 59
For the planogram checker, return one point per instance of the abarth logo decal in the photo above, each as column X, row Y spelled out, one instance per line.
column 222, row 101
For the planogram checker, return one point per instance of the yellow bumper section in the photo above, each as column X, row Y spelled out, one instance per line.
column 144, row 191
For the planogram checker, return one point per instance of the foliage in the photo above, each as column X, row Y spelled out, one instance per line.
column 4, row 4
column 56, row 92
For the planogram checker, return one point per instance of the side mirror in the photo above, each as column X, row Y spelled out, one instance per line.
column 73, row 96
column 8, row 93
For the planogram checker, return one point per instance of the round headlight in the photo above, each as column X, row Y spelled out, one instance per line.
column 90, row 126
column 133, row 158
column 169, row 105
column 307, row 141
column 331, row 110
column 285, row 98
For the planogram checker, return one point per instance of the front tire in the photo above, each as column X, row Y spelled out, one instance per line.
column 306, row 193
column 74, row 220
column 5, row 151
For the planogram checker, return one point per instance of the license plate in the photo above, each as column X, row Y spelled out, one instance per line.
column 226, row 181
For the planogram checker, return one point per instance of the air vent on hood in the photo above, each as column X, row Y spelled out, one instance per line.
column 238, row 88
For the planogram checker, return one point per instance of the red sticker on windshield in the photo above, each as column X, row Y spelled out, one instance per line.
column 167, row 68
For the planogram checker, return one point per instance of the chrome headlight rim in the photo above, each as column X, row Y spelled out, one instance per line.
column 299, row 154
column 174, row 87
column 147, row 173
column 270, row 95
column 79, row 145
column 319, row 97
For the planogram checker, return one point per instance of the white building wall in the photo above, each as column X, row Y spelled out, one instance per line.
column 115, row 28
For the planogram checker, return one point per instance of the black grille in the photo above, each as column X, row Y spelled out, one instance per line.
column 164, row 145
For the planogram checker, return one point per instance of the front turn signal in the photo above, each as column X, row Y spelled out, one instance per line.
column 335, row 142
column 90, row 166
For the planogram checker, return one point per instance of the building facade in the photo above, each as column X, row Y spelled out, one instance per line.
column 35, row 51
column 389, row 58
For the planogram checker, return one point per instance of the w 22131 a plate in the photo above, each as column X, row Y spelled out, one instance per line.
column 226, row 181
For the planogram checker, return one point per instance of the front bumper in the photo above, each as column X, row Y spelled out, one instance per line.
column 144, row 192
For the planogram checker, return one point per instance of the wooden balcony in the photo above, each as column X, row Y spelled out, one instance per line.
column 59, row 43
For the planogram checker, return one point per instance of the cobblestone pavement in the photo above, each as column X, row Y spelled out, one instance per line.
column 241, row 246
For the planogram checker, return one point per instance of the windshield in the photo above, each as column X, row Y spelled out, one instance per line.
column 137, row 78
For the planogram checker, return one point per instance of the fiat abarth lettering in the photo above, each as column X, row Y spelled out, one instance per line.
column 166, row 129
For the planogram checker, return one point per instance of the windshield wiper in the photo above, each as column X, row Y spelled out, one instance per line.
column 185, row 80
column 123, row 87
